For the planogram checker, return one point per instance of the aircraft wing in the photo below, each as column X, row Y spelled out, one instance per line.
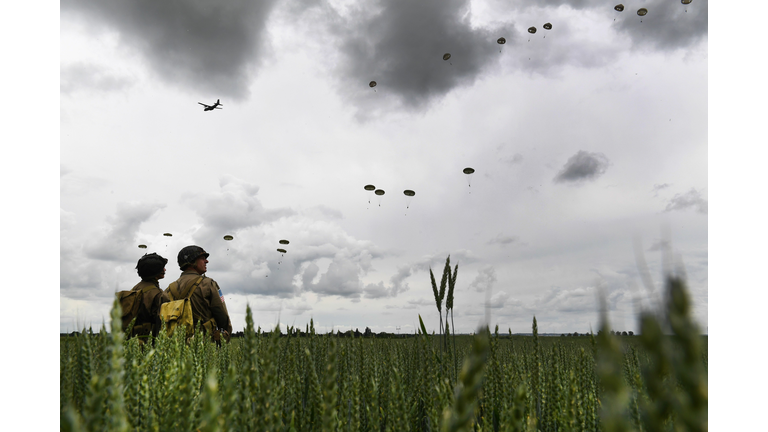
column 203, row 104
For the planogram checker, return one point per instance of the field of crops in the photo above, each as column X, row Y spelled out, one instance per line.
column 486, row 382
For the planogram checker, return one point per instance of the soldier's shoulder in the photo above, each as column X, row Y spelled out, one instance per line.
column 208, row 281
column 139, row 286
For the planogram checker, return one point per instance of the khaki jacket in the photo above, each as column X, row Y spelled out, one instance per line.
column 149, row 311
column 205, row 300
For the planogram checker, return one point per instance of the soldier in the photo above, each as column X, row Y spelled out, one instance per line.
column 207, row 301
column 151, row 268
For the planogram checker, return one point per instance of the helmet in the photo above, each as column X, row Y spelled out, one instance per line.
column 189, row 254
column 150, row 265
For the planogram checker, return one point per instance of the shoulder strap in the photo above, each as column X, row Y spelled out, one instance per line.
column 147, row 288
column 172, row 287
column 195, row 285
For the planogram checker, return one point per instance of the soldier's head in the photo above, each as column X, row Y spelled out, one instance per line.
column 151, row 267
column 193, row 258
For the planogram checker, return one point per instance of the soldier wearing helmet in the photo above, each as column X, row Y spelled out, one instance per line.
column 151, row 268
column 208, row 307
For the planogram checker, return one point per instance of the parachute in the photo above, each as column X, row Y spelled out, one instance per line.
column 166, row 243
column 282, row 251
column 372, row 84
column 446, row 56
column 468, row 171
column 547, row 26
column 409, row 195
column 686, row 2
column 369, row 187
column 642, row 12
column 531, row 30
column 379, row 192
column 284, row 242
column 618, row 8
column 142, row 246
column 501, row 41
column 228, row 237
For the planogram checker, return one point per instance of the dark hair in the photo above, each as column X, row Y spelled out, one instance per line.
column 150, row 265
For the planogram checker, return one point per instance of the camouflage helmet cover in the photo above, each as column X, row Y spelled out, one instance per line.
column 189, row 254
column 150, row 265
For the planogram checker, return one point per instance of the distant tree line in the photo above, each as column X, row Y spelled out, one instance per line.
column 613, row 332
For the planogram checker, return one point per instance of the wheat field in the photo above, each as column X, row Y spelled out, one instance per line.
column 311, row 382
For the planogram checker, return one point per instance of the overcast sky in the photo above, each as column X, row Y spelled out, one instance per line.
column 589, row 143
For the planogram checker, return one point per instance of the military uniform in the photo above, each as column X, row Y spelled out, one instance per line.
column 148, row 319
column 206, row 303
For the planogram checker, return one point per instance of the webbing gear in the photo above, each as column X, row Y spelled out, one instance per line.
column 179, row 311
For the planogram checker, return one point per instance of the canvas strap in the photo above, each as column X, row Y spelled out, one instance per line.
column 197, row 282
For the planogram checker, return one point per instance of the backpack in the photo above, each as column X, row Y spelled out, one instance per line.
column 179, row 312
column 130, row 302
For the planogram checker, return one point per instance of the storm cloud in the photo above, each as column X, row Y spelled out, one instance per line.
column 400, row 45
column 582, row 166
column 210, row 47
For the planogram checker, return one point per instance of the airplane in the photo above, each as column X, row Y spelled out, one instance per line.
column 212, row 107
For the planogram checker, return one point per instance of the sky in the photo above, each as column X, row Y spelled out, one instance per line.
column 589, row 144
column 78, row 76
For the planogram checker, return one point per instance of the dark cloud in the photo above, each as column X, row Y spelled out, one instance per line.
column 691, row 199
column 667, row 26
column 583, row 166
column 503, row 240
column 211, row 47
column 400, row 45
column 119, row 237
column 90, row 77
